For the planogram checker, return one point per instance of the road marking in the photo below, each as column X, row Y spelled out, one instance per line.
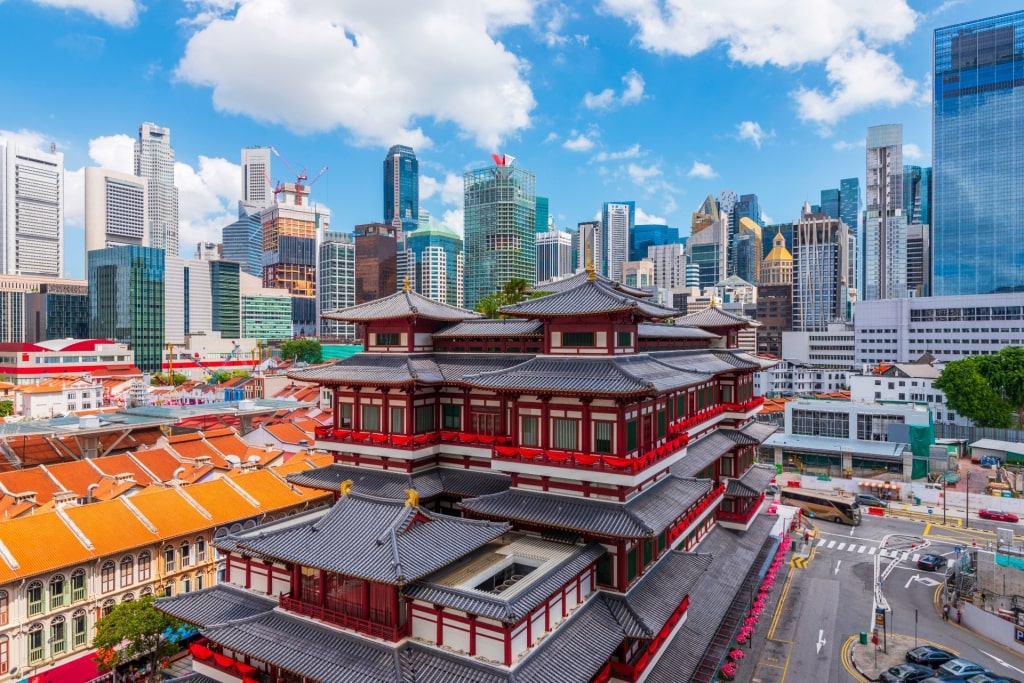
column 838, row 562
column 871, row 550
column 831, row 544
column 853, row 548
column 861, row 549
column 925, row 580
column 798, row 563
column 840, row 546
column 852, row 529
column 1008, row 666
column 821, row 641
column 911, row 580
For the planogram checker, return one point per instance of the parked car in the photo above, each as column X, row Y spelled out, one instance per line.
column 906, row 673
column 998, row 515
column 873, row 501
column 929, row 655
column 961, row 668
column 990, row 678
column 932, row 563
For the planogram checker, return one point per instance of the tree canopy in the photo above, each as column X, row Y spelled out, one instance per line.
column 305, row 350
column 989, row 390
column 134, row 630
column 6, row 407
column 177, row 379
column 512, row 292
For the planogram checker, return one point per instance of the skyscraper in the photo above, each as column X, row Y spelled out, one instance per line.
column 849, row 203
column 650, row 235
column 542, row 215
column 31, row 211
column 115, row 209
column 554, row 255
column 376, row 261
column 820, row 289
column 917, row 193
column 401, row 188
column 154, row 161
column 257, row 192
column 336, row 286
column 243, row 240
column 884, row 260
column 617, row 220
column 978, row 156
column 439, row 272
column 499, row 217
column 589, row 245
column 707, row 246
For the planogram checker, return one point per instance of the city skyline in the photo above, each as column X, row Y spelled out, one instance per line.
column 589, row 101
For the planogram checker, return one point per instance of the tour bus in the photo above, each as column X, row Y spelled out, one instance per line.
column 823, row 505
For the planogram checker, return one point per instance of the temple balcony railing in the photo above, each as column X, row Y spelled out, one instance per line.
column 634, row 671
column 741, row 517
column 406, row 441
column 592, row 461
column 374, row 629
column 712, row 499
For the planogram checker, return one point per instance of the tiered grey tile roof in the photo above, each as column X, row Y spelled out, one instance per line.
column 217, row 605
column 574, row 281
column 512, row 609
column 589, row 298
column 387, row 484
column 702, row 453
column 645, row 515
column 402, row 304
column 733, row 556
column 669, row 331
column 758, row 431
column 493, row 328
column 192, row 678
column 753, row 482
column 424, row 664
column 705, row 360
column 649, row 604
column 377, row 540
column 391, row 369
column 713, row 316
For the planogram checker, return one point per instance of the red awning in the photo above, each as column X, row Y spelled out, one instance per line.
column 81, row 670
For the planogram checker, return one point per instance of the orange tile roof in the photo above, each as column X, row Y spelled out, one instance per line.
column 221, row 500
column 75, row 475
column 227, row 442
column 10, row 507
column 111, row 526
column 302, row 462
column 273, row 492
column 289, row 433
column 122, row 463
column 26, row 536
column 170, row 513
column 32, row 479
column 161, row 462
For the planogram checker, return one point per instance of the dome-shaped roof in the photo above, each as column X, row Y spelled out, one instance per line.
column 779, row 251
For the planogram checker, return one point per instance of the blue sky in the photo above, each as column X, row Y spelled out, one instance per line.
column 657, row 101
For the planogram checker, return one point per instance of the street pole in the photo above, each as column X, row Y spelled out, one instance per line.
column 967, row 507
column 915, row 627
column 945, row 494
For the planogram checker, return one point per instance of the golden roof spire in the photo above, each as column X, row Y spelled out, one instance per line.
column 346, row 487
column 414, row 498
column 591, row 271
column 406, row 284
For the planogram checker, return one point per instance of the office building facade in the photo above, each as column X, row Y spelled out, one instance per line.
column 257, row 190
column 707, row 246
column 440, row 270
column 115, row 209
column 336, row 284
column 31, row 211
column 542, row 215
column 820, row 288
column 126, row 300
column 225, row 312
column 401, row 188
column 154, row 161
column 376, row 261
column 554, row 255
column 266, row 314
column 978, row 156
column 500, row 226
column 647, row 235
column 617, row 219
column 589, row 245
column 243, row 240
column 884, row 259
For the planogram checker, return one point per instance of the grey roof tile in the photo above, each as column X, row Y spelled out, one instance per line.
column 493, row 328
column 645, row 515
column 706, row 361
column 223, row 602
column 669, row 331
column 389, row 484
column 587, row 298
column 396, row 369
column 378, row 540
column 423, row 664
column 565, row 375
column 574, row 281
column 401, row 305
column 712, row 316
column 191, row 678
column 702, row 453
column 753, row 482
column 656, row 595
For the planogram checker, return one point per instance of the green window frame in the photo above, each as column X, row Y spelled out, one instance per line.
column 58, row 591
column 79, row 629
column 564, row 433
column 424, row 419
column 631, row 435
column 58, row 636
column 662, row 424
column 604, row 433
column 631, row 570
column 623, row 338
column 530, row 435
column 386, row 338
column 648, row 552
column 35, row 643
column 580, row 339
column 605, row 572
column 34, row 598
column 451, row 416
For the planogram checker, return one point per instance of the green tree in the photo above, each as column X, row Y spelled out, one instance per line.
column 490, row 304
column 515, row 290
column 976, row 388
column 6, row 407
column 177, row 379
column 134, row 630
column 305, row 350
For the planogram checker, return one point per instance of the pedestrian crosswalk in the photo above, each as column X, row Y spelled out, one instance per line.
column 854, row 547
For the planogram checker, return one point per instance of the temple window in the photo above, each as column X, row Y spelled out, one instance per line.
column 371, row 418
column 345, row 415
column 564, row 433
column 605, row 573
column 577, row 339
column 424, row 419
column 531, row 431
column 662, row 424
column 631, row 435
column 397, row 425
column 451, row 417
column 386, row 338
column 604, row 433
column 485, row 420
column 624, row 339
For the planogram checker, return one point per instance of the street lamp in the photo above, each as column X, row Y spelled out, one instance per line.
column 967, row 506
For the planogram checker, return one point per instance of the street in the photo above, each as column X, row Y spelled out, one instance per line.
column 852, row 570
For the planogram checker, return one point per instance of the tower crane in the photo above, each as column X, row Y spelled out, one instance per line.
column 301, row 186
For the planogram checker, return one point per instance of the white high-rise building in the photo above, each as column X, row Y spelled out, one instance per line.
column 554, row 255
column 154, row 161
column 885, row 225
column 31, row 211
column 669, row 265
column 617, row 220
column 257, row 191
column 115, row 209
column 336, row 284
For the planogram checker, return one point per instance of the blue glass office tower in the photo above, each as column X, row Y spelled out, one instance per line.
column 849, row 203
column 243, row 240
column 978, row 157
column 126, row 300
column 542, row 214
column 650, row 235
column 917, row 195
column 401, row 188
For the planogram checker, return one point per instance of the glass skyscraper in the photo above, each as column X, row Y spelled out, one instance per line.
column 401, row 188
column 126, row 300
column 500, row 222
column 440, row 269
column 978, row 156
column 646, row 235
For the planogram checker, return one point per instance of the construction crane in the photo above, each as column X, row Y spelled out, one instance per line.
column 214, row 376
column 300, row 178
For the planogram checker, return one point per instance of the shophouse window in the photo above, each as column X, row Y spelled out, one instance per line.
column 58, row 591
column 34, row 598
column 78, row 590
column 145, row 565
column 127, row 570
column 107, row 573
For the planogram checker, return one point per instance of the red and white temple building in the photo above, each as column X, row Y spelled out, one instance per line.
column 565, row 494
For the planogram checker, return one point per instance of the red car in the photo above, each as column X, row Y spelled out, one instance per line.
column 997, row 515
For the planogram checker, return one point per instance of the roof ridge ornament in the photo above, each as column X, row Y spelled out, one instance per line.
column 346, row 487
column 406, row 284
column 591, row 271
column 413, row 499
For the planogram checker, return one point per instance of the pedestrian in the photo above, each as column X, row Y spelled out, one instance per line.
column 945, row 612
column 807, row 537
column 958, row 615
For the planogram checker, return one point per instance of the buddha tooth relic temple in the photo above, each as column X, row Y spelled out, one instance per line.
column 567, row 494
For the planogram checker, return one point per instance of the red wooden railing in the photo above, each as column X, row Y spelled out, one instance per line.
column 576, row 460
column 632, row 671
column 406, row 441
column 696, row 513
column 731, row 516
column 370, row 628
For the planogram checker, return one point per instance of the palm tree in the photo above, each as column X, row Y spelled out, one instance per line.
column 515, row 290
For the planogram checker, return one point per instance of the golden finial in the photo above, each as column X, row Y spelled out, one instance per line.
column 591, row 271
column 714, row 302
column 346, row 487
column 406, row 284
column 413, row 500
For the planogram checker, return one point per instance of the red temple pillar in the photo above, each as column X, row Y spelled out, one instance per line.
column 472, row 635
column 545, row 418
column 357, row 411
column 385, row 418
column 410, row 396
column 587, row 427
column 323, row 588
column 364, row 599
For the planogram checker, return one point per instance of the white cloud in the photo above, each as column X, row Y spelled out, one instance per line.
column 843, row 145
column 751, row 130
column 117, row 12
column 380, row 69
column 912, row 152
column 454, row 220
column 578, row 142
column 632, row 93
column 551, row 137
column 860, row 78
column 646, row 218
column 552, row 33
column 114, row 152
column 701, row 170
column 451, row 189
column 787, row 33
column 631, row 152
column 26, row 138
column 643, row 174
column 766, row 219
column 206, row 200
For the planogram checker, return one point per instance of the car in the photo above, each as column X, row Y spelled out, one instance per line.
column 990, row 678
column 929, row 655
column 906, row 673
column 873, row 501
column 998, row 515
column 961, row 668
column 932, row 563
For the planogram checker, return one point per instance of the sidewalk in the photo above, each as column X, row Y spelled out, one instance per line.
column 870, row 661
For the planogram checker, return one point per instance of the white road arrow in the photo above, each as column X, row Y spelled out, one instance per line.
column 838, row 562
column 912, row 579
column 1008, row 666
column 821, row 641
column 925, row 580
